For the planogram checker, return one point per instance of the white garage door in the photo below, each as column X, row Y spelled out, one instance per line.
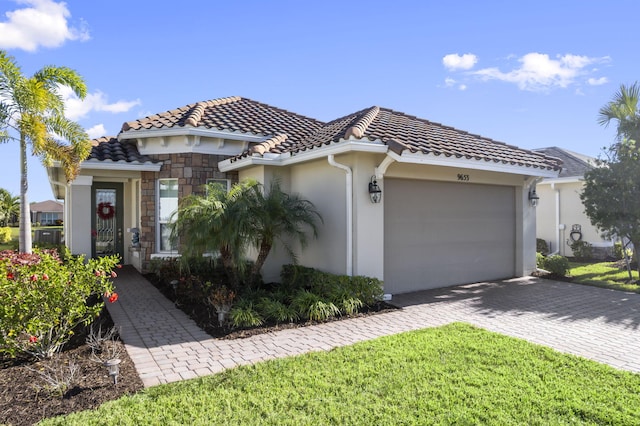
column 439, row 234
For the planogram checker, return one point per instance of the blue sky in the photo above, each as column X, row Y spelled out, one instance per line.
column 527, row 73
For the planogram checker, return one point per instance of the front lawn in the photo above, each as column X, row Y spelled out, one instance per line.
column 456, row 374
column 611, row 275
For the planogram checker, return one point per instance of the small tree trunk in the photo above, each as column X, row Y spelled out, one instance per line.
column 265, row 248
column 229, row 266
column 25, row 212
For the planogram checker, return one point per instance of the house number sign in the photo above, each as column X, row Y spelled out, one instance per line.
column 463, row 177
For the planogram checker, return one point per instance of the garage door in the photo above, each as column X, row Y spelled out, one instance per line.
column 439, row 234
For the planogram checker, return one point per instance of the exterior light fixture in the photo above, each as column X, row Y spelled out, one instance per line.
column 113, row 365
column 174, row 285
column 533, row 197
column 374, row 191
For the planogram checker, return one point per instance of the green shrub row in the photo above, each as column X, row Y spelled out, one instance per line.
column 43, row 297
column 306, row 294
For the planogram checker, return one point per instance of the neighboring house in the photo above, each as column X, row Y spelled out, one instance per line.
column 47, row 212
column 560, row 214
column 454, row 209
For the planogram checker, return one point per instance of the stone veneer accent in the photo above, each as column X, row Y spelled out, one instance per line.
column 192, row 171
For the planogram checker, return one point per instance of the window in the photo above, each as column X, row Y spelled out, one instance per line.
column 167, row 205
column 224, row 182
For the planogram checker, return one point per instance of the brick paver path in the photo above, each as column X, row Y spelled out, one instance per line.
column 603, row 325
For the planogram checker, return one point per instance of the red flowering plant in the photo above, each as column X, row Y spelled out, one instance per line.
column 44, row 296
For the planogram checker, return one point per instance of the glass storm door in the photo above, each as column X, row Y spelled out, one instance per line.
column 107, row 218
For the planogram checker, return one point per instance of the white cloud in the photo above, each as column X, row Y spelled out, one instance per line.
column 462, row 87
column 538, row 72
column 597, row 81
column 455, row 61
column 448, row 82
column 76, row 108
column 96, row 131
column 39, row 23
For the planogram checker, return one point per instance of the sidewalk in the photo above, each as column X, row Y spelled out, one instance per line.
column 603, row 325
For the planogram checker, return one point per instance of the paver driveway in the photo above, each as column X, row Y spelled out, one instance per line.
column 603, row 325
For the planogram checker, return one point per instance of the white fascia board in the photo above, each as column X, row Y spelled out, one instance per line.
column 466, row 163
column 190, row 131
column 569, row 179
column 285, row 159
column 117, row 165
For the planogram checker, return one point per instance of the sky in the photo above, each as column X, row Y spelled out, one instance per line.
column 528, row 73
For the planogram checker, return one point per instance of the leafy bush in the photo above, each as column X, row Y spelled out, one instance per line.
column 619, row 253
column 312, row 307
column 273, row 309
column 541, row 246
column 556, row 264
column 5, row 235
column 334, row 287
column 582, row 250
column 44, row 297
column 540, row 260
column 244, row 314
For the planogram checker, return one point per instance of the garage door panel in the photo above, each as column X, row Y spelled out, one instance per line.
column 440, row 233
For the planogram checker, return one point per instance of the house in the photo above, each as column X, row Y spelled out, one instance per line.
column 47, row 212
column 446, row 206
column 560, row 214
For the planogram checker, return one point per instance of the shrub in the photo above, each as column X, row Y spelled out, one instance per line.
column 582, row 250
column 540, row 260
column 619, row 253
column 43, row 298
column 333, row 287
column 541, row 246
column 556, row 264
column 244, row 314
column 313, row 307
column 276, row 310
column 5, row 235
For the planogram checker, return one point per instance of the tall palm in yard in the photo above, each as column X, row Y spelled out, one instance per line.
column 279, row 217
column 9, row 206
column 215, row 222
column 624, row 108
column 32, row 108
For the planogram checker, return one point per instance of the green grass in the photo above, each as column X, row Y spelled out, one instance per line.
column 456, row 374
column 604, row 274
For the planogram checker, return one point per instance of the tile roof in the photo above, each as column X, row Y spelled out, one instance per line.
column 110, row 148
column 287, row 132
column 233, row 114
column 574, row 164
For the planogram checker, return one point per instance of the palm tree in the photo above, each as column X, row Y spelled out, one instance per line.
column 624, row 108
column 33, row 108
column 216, row 222
column 278, row 217
column 9, row 206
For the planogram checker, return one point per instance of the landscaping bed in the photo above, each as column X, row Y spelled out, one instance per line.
column 205, row 317
column 24, row 399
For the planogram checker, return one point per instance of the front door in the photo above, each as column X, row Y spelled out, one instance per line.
column 107, row 219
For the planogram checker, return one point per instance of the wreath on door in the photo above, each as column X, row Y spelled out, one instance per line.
column 106, row 211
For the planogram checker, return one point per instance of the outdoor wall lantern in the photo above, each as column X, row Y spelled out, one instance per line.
column 533, row 197
column 374, row 191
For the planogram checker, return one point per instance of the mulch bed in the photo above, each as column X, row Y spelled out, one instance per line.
column 25, row 400
column 206, row 319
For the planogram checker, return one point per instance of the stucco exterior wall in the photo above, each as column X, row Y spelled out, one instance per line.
column 570, row 212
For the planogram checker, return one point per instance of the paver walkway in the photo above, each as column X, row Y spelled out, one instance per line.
column 603, row 325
